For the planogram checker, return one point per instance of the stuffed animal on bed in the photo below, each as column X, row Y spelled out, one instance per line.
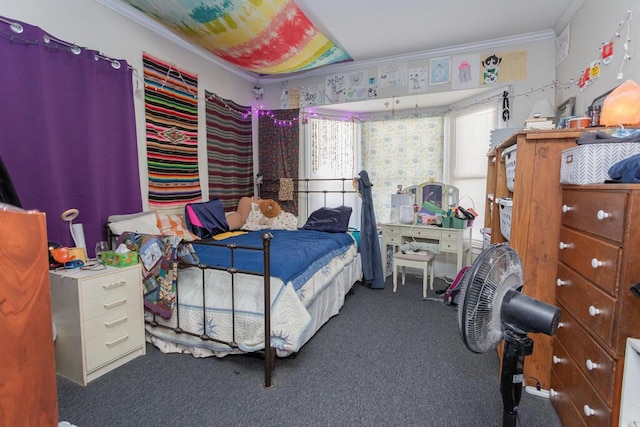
column 270, row 210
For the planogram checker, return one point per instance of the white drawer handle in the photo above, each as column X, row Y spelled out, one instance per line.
column 602, row 215
column 593, row 311
column 556, row 359
column 115, row 322
column 564, row 245
column 114, row 284
column 596, row 263
column 117, row 341
column 115, row 303
column 588, row 411
column 560, row 282
column 566, row 208
column 552, row 392
column 591, row 365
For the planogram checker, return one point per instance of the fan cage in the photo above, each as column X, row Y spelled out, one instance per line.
column 492, row 274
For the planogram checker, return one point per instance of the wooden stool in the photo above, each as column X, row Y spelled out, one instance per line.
column 422, row 260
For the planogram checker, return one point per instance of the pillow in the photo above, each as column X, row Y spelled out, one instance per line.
column 174, row 225
column 237, row 219
column 332, row 220
column 206, row 219
column 142, row 223
column 253, row 221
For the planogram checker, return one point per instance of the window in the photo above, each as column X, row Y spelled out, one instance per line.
column 471, row 133
column 401, row 151
column 333, row 152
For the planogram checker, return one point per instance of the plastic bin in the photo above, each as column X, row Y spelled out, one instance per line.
column 509, row 155
column 506, row 206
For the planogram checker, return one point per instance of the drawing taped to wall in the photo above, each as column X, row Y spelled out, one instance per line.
column 503, row 67
column 418, row 79
column 466, row 74
column 392, row 75
column 440, row 70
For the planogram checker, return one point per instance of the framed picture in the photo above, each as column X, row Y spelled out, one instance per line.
column 564, row 112
column 440, row 71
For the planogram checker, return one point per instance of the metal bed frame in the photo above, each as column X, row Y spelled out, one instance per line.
column 269, row 351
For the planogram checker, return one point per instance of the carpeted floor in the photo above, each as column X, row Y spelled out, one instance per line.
column 387, row 359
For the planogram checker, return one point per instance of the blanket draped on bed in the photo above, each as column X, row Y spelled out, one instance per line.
column 292, row 252
column 159, row 257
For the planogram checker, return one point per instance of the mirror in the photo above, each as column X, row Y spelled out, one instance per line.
column 435, row 193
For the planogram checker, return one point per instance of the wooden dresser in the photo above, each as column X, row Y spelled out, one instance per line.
column 28, row 394
column 535, row 221
column 599, row 260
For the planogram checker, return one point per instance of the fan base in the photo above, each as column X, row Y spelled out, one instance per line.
column 540, row 393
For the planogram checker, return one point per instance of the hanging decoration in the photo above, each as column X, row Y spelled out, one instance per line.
column 593, row 70
column 171, row 113
column 262, row 37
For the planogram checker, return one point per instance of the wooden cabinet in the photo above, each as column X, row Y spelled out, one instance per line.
column 535, row 221
column 28, row 394
column 99, row 316
column 599, row 261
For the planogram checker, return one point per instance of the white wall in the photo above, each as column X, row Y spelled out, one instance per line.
column 540, row 72
column 594, row 23
column 92, row 25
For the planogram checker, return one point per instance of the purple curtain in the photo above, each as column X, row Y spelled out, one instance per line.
column 68, row 131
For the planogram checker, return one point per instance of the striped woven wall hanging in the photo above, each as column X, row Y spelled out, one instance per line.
column 229, row 150
column 171, row 114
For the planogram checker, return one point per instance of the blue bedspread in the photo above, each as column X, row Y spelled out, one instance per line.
column 295, row 254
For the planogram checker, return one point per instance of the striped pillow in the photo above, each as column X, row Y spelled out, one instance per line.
column 174, row 225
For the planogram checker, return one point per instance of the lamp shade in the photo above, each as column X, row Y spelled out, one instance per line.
column 542, row 108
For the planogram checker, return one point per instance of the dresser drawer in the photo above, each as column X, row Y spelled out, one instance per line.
column 112, row 345
column 584, row 397
column 97, row 307
column 391, row 230
column 593, row 258
column 426, row 233
column 594, row 362
column 590, row 306
column 126, row 315
column 569, row 415
column 581, row 208
column 105, row 285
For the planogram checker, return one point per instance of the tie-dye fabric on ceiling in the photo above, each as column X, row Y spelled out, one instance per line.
column 265, row 37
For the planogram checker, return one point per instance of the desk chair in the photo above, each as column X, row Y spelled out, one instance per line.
column 422, row 260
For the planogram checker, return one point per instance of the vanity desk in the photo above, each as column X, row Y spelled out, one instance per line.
column 450, row 240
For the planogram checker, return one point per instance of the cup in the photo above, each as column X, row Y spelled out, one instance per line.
column 101, row 247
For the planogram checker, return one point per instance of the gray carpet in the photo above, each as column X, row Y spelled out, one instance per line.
column 386, row 359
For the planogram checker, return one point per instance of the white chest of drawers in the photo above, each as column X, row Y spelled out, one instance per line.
column 99, row 319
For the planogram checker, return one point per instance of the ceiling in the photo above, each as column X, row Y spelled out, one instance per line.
column 371, row 32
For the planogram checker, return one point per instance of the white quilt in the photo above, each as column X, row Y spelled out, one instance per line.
column 290, row 319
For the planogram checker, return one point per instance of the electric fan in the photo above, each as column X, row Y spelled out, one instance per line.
column 492, row 308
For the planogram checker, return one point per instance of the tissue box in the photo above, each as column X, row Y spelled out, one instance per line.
column 115, row 259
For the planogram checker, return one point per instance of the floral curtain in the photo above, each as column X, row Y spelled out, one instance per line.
column 278, row 153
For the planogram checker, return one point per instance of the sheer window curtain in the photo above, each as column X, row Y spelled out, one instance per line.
column 331, row 149
column 68, row 131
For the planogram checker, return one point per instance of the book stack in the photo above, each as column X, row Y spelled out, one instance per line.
column 539, row 123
